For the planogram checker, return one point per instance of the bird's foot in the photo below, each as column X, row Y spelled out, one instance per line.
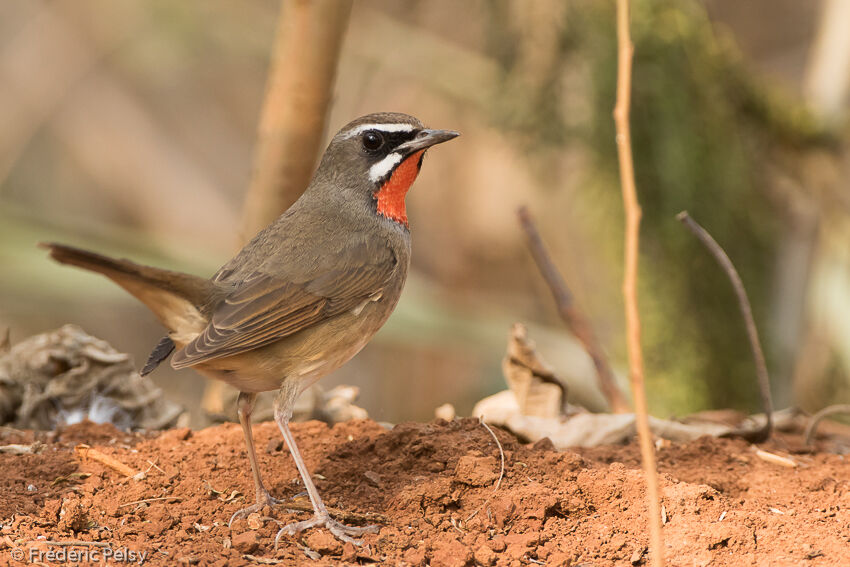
column 263, row 499
column 338, row 529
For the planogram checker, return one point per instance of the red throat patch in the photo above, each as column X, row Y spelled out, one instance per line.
column 391, row 194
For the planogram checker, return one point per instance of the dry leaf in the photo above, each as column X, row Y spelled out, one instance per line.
column 537, row 390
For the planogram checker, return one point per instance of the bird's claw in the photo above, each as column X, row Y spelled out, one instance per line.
column 341, row 531
column 263, row 500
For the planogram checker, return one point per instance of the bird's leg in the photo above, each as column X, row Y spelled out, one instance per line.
column 244, row 406
column 282, row 413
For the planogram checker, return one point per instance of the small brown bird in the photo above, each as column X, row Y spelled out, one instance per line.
column 303, row 296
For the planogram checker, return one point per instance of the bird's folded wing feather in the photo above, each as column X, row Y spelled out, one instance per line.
column 264, row 307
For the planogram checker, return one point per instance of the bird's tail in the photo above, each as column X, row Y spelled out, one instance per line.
column 177, row 299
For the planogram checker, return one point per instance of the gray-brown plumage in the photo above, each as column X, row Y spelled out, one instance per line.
column 304, row 295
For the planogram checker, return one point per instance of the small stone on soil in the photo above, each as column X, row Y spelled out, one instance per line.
column 246, row 542
column 324, row 543
column 477, row 471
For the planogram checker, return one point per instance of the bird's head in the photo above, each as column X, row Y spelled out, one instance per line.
column 379, row 156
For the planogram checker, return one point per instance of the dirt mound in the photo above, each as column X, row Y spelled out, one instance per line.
column 436, row 485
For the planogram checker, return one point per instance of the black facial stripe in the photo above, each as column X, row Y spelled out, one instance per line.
column 395, row 139
column 392, row 140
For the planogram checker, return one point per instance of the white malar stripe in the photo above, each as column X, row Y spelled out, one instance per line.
column 394, row 127
column 383, row 167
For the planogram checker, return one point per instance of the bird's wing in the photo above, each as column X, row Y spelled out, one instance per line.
column 267, row 305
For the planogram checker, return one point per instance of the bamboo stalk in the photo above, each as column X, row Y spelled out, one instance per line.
column 625, row 51
column 292, row 124
column 298, row 95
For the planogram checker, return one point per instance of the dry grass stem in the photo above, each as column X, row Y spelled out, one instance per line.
column 722, row 258
column 501, row 472
column 625, row 51
column 501, row 454
column 574, row 317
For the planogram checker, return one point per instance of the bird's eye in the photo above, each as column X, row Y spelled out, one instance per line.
column 372, row 140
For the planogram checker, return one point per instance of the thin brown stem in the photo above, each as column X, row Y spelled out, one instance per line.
column 811, row 428
column 625, row 51
column 763, row 433
column 574, row 317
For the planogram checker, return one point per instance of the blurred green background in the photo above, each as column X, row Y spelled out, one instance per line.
column 128, row 127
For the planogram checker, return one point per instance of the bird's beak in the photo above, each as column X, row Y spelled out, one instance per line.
column 425, row 139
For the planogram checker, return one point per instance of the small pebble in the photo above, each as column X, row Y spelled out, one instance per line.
column 246, row 542
column 254, row 521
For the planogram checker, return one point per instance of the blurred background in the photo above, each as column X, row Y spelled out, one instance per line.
column 129, row 127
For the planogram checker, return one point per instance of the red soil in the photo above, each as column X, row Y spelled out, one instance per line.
column 436, row 486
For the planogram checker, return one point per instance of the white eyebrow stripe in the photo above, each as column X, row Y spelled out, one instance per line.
column 383, row 167
column 393, row 127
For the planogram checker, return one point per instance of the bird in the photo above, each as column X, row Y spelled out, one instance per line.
column 302, row 297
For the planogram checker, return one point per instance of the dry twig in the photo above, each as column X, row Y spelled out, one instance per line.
column 625, row 51
column 86, row 452
column 18, row 449
column 775, row 459
column 763, row 433
column 819, row 416
column 70, row 477
column 575, row 319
